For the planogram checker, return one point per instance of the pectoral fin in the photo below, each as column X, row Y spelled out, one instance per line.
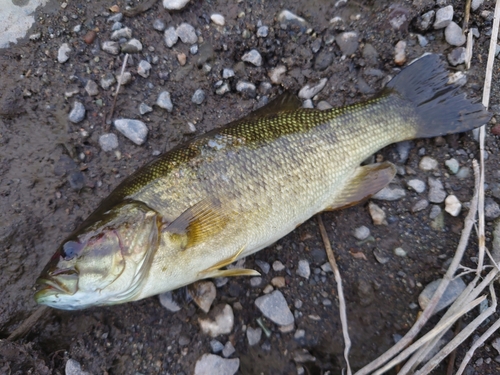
column 215, row 270
column 197, row 223
column 366, row 181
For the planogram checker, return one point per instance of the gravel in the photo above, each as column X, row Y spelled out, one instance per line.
column 218, row 19
column 451, row 293
column 362, row 233
column 132, row 46
column 158, row 25
column 253, row 57
column 287, row 17
column 264, row 266
column 63, row 53
column 417, row 185
column 74, row 368
column 422, row 204
column 144, row 68
column 377, row 214
column 303, row 269
column 111, row 47
column 227, row 73
column 125, row 32
column 491, row 209
column 262, row 32
column 228, row 350
column 170, row 37
column 107, row 81
column 278, row 266
column 275, row 308
column 246, row 88
column 347, row 42
column 210, row 364
column 167, row 301
column 186, row 33
column 203, row 293
column 108, row 141
column 452, row 205
column 77, row 113
column 457, row 56
column 453, row 35
column 174, row 4
column 144, row 108
column 436, row 190
column 308, row 91
column 444, row 16
column 164, row 101
column 91, row 88
column 134, row 130
column 400, row 53
column 428, row 164
column 254, row 335
column 219, row 322
column 389, row 194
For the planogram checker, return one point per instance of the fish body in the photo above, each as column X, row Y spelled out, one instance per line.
column 236, row 190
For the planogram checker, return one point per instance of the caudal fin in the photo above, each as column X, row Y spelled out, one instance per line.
column 440, row 107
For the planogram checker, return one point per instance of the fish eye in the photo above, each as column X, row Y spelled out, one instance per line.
column 71, row 249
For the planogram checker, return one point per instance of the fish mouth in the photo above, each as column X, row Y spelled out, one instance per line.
column 62, row 283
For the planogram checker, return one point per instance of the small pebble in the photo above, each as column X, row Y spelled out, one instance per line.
column 362, row 233
column 253, row 57
column 198, row 96
column 428, row 164
column 108, row 141
column 475, row 4
column 424, row 22
column 228, row 349
column 435, row 211
column 453, row 35
column 347, row 42
column 107, row 81
column 125, row 32
column 216, row 346
column 182, row 58
column 307, row 104
column 203, row 294
column 89, row 37
column 278, row 282
column 110, row 47
column 457, row 56
column 452, row 205
column 74, row 368
column 134, row 130
column 422, row 40
column 167, row 301
column 193, row 50
column 221, row 323
column 246, row 88
column 443, row 17
column 491, row 209
column 400, row 252
column 303, row 269
column 308, row 91
column 422, row 204
column 91, row 88
column 174, row 4
column 287, row 17
column 227, row 73
column 132, row 46
column 77, row 114
column 144, row 108
column 276, row 74
column 463, row 173
column 186, row 33
column 400, row 53
column 452, row 165
column 455, row 287
column 218, row 19
column 210, row 364
column 164, row 101
column 389, row 194
column 324, row 106
column 278, row 266
column 262, row 31
column 254, row 335
column 264, row 266
column 436, row 190
column 118, row 17
column 170, row 37
column 158, row 25
column 255, row 281
column 417, row 185
column 143, row 68
column 275, row 308
column 63, row 53
column 125, row 78
column 377, row 214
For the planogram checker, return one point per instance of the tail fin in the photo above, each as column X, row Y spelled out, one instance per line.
column 440, row 107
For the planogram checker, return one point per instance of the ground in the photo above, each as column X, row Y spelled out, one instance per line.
column 54, row 173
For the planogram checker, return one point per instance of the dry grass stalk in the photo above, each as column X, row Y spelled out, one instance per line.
column 118, row 86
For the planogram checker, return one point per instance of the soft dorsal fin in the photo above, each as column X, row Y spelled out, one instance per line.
column 366, row 181
column 282, row 103
column 198, row 222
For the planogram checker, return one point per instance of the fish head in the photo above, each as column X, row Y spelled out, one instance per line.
column 104, row 262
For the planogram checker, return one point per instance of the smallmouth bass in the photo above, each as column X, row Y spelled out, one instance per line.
column 236, row 190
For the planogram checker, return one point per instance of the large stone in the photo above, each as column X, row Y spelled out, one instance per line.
column 275, row 308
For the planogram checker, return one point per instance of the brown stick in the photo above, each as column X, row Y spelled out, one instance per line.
column 28, row 324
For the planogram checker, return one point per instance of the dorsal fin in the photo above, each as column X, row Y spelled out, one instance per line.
column 282, row 103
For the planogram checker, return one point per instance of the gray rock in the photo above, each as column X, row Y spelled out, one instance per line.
column 144, row 108
column 222, row 89
column 475, row 4
column 111, row 47
column 227, row 73
column 278, row 266
column 108, row 141
column 286, row 17
column 275, row 308
column 218, row 19
column 254, row 335
column 264, row 266
column 404, row 150
column 91, row 88
column 436, row 190
column 255, row 282
column 221, row 321
column 452, row 165
column 435, row 211
column 167, row 301
column 451, row 293
column 198, row 96
column 203, row 294
column 132, row 46
column 158, row 25
column 134, row 130
column 253, row 57
column 324, row 106
column 125, row 32
column 424, row 22
column 491, row 209
column 452, row 205
column 63, row 53
column 323, row 60
column 457, row 56
column 347, row 42
column 362, row 233
column 170, row 37
column 308, row 92
column 377, row 214
column 186, row 33
column 174, row 4
column 463, row 173
column 116, row 26
column 276, row 74
column 228, row 349
column 370, row 54
column 193, row 50
column 308, row 103
column 143, row 68
column 303, row 269
column 210, row 364
column 77, row 114
column 74, row 368
column 422, row 40
column 417, row 185
column 216, row 346
column 117, row 17
column 400, row 252
column 164, row 101
column 246, row 88
column 262, row 32
column 420, row 205
column 390, row 194
column 453, row 35
column 107, row 81
column 428, row 164
column 443, row 17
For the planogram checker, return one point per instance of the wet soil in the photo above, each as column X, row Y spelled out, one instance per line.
column 54, row 173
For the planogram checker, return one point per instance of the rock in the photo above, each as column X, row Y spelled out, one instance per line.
column 422, row 40
column 227, row 73
column 308, row 92
column 370, row 54
column 167, row 301
column 77, row 114
column 255, row 282
column 463, row 173
column 254, row 335
column 278, row 266
column 417, row 185
column 63, row 53
column 400, row 53
column 452, row 205
column 125, row 32
column 174, row 4
column 428, row 164
column 454, row 289
column 475, row 4
column 422, row 204
column 203, row 294
column 222, row 89
column 218, row 19
column 377, row 214
column 74, row 368
column 253, row 57
column 116, row 26
column 276, row 74
column 453, row 35
column 361, row 233
column 132, row 46
column 210, row 364
column 307, row 104
column 143, row 68
column 491, row 209
column 457, row 56
column 134, row 130
column 303, row 269
column 198, row 96
column 107, row 81
column 117, row 17
column 164, row 101
column 275, row 308
column 159, row 25
column 108, row 141
column 400, row 252
column 323, row 60
column 399, row 18
column 443, row 17
column 219, row 322
column 424, row 22
column 452, row 165
column 76, row 180
column 436, row 190
column 144, row 108
column 347, row 42
column 324, row 106
column 186, row 33
column 389, row 194
column 286, row 17
column 278, row 281
column 91, row 88
column 246, row 88
column 435, row 211
column 262, row 31
column 404, row 150
column 110, row 47
column 170, row 37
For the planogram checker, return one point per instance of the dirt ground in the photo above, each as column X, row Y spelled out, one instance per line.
column 54, row 173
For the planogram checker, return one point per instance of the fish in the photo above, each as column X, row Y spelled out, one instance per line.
column 235, row 190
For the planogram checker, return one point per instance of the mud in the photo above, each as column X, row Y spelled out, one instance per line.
column 54, row 173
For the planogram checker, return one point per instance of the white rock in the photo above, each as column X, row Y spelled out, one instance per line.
column 63, row 53
column 389, row 194
column 132, row 46
column 436, row 190
column 451, row 293
column 227, row 73
column 111, row 47
column 218, row 19
column 287, row 16
column 254, row 335
column 400, row 252
column 303, row 269
column 108, row 142
column 210, row 364
column 308, row 92
column 276, row 74
column 453, row 35
column 362, row 233
column 186, row 33
column 168, row 302
column 74, row 368
column 134, row 130
column 253, row 57
column 170, row 37
column 125, row 32
column 452, row 205
column 377, row 214
column 428, row 164
column 203, row 294
column 275, row 308
column 143, row 68
column 417, row 185
column 77, row 114
column 475, row 4
column 174, row 4
column 278, row 266
column 164, row 101
column 221, row 324
column 443, row 17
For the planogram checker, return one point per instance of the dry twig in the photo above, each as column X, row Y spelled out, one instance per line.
column 28, row 324
column 118, row 86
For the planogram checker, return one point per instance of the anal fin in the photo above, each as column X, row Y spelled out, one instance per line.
column 366, row 181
